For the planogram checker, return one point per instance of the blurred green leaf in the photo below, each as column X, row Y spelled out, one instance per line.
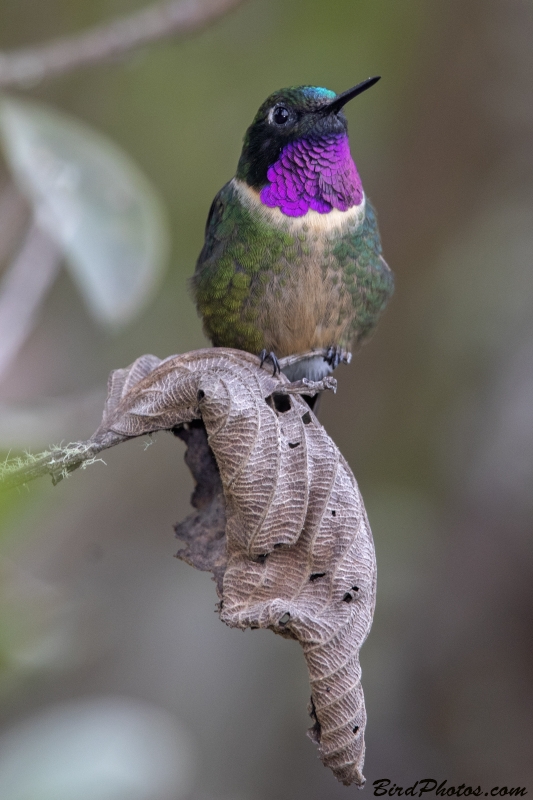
column 98, row 748
column 94, row 201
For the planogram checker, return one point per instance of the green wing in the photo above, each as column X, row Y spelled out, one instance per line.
column 225, row 268
column 228, row 283
column 367, row 275
column 212, row 225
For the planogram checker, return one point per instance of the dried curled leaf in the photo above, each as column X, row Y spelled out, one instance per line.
column 298, row 555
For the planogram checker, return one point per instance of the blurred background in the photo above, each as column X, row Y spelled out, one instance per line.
column 117, row 680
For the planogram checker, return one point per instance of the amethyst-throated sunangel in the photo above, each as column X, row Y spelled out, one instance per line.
column 292, row 255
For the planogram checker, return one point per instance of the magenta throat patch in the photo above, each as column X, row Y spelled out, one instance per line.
column 317, row 174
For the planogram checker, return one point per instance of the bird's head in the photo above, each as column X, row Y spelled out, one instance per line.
column 289, row 115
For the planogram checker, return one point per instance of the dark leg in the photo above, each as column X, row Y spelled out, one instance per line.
column 265, row 356
column 334, row 356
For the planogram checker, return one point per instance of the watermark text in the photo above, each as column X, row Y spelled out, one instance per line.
column 384, row 786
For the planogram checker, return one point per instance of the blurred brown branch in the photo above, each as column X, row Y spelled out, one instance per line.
column 24, row 67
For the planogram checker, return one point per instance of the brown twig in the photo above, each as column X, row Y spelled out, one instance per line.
column 30, row 65
column 58, row 462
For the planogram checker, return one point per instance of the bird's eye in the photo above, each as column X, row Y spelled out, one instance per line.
column 280, row 115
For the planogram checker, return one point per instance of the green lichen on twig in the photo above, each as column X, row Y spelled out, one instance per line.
column 58, row 462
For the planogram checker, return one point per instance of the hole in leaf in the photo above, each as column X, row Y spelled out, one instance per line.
column 292, row 445
column 306, row 419
column 316, row 575
column 200, row 395
column 355, row 588
column 282, row 403
column 347, row 598
column 333, row 513
column 285, row 618
column 355, row 729
column 278, row 545
column 261, row 558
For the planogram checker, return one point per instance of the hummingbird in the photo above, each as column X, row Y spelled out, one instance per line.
column 292, row 256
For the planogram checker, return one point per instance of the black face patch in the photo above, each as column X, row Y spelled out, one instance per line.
column 285, row 116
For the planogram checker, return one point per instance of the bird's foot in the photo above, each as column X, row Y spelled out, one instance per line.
column 336, row 354
column 264, row 355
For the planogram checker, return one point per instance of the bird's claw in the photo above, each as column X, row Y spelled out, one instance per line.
column 336, row 355
column 264, row 355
